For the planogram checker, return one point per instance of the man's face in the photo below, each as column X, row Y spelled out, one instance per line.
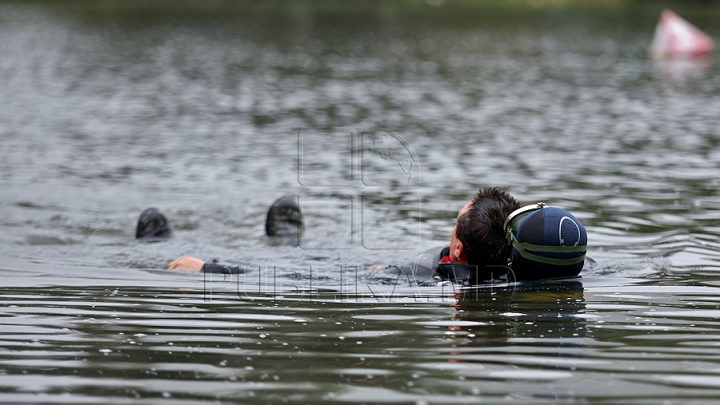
column 453, row 239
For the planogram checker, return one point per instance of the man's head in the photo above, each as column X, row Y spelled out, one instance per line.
column 479, row 238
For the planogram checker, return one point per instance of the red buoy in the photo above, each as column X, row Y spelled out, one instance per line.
column 676, row 38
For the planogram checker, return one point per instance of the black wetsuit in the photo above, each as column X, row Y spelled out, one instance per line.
column 222, row 268
column 425, row 268
column 428, row 268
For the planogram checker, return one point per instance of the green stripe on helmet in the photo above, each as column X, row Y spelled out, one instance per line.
column 529, row 251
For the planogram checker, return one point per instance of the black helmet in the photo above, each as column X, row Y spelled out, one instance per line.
column 546, row 242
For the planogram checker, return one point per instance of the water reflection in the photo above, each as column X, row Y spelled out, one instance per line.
column 530, row 332
column 524, row 312
column 682, row 71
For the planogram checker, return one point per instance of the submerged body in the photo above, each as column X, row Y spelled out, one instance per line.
column 494, row 239
column 433, row 265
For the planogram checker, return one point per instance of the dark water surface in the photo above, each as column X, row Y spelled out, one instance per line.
column 384, row 120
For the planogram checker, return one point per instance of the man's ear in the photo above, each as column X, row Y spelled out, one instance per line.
column 458, row 254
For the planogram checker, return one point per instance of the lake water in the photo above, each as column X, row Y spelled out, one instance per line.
column 384, row 119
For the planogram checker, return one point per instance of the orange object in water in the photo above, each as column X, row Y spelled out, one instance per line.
column 676, row 38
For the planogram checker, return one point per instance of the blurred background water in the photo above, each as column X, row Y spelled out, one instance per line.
column 384, row 117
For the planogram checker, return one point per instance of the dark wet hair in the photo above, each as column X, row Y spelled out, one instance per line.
column 481, row 231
